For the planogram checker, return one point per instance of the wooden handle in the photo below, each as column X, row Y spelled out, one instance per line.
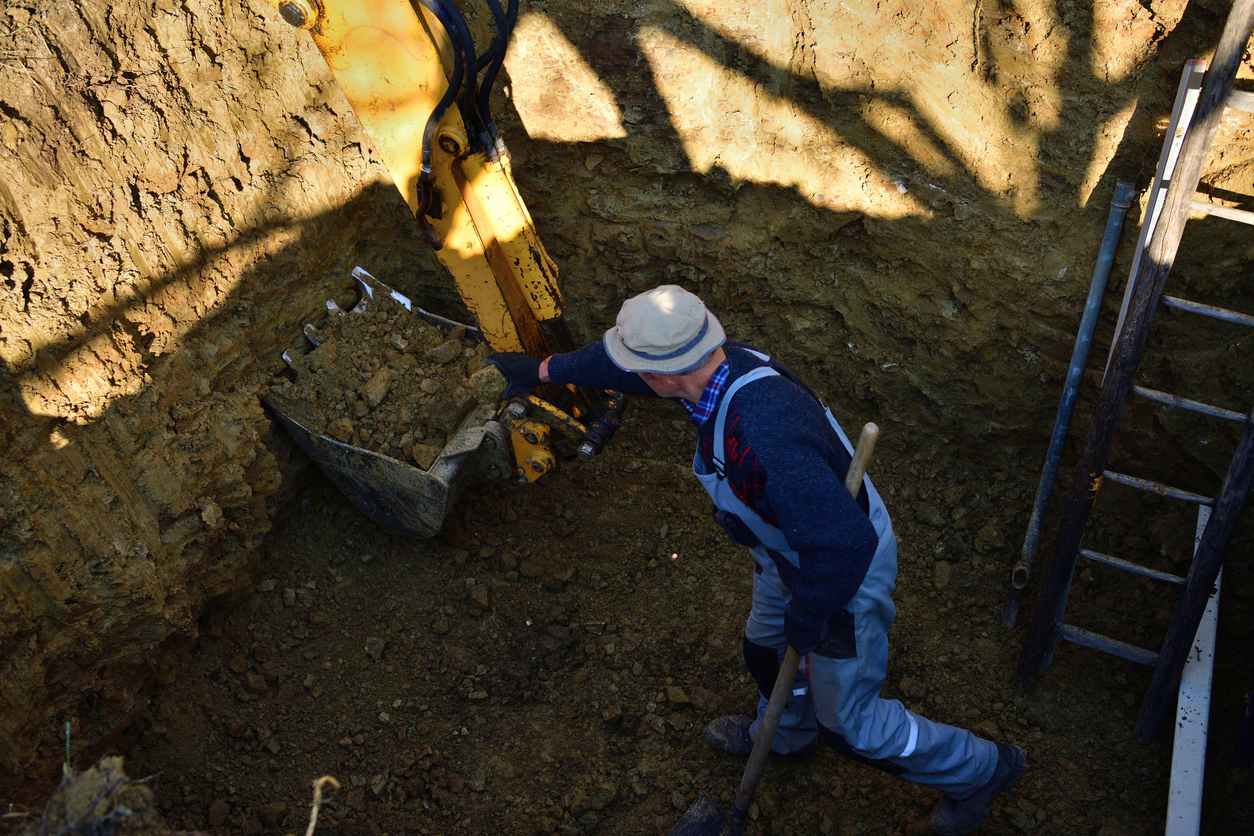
column 861, row 458
column 788, row 668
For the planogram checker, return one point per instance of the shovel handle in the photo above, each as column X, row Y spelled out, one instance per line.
column 861, row 458
column 788, row 667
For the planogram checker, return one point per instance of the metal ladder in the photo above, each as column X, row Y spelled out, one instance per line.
column 1146, row 293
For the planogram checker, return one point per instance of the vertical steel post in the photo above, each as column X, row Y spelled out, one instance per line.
column 1062, row 422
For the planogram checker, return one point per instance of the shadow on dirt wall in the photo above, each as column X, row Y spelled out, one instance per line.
column 273, row 298
column 118, row 532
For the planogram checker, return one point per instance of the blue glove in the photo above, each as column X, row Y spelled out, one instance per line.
column 521, row 368
column 802, row 639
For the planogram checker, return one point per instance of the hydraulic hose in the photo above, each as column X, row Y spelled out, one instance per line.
column 496, row 57
column 426, row 177
column 511, row 18
column 464, row 51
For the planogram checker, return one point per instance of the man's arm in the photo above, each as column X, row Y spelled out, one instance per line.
column 591, row 368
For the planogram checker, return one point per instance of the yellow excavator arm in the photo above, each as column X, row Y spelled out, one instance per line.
column 412, row 75
column 394, row 64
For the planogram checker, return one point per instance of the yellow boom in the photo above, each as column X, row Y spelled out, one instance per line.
column 394, row 65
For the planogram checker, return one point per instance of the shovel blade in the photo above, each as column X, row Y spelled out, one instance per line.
column 703, row 818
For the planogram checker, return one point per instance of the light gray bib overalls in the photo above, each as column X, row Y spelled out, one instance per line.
column 840, row 696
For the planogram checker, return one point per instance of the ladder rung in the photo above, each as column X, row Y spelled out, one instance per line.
column 1207, row 310
column 1114, row 647
column 1185, row 403
column 1135, row 568
column 1158, row 488
column 1229, row 214
column 1240, row 100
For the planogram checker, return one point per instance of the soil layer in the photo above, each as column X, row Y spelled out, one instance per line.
column 549, row 662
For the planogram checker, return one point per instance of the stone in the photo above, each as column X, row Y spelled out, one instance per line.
column 444, row 352
column 488, row 384
column 376, row 389
column 272, row 814
column 424, row 455
column 218, row 811
column 941, row 574
column 989, row 539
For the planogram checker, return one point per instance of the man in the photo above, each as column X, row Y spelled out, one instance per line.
column 774, row 461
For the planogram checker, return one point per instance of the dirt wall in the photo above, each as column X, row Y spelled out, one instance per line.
column 903, row 201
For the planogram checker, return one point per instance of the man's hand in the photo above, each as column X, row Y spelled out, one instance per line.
column 521, row 368
column 802, row 638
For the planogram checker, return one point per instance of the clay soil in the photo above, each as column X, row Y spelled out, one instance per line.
column 548, row 663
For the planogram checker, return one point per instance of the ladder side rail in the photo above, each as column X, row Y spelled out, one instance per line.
column 1202, row 574
column 1181, row 115
column 1130, row 343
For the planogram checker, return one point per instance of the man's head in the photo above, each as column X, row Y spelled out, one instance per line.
column 667, row 336
column 666, row 330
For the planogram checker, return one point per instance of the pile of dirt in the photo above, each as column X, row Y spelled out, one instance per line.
column 102, row 801
column 385, row 380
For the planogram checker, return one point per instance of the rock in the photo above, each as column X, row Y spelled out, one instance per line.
column 452, row 406
column 488, row 384
column 941, row 574
column 930, row 515
column 444, row 352
column 218, row 811
column 676, row 696
column 376, row 389
column 341, row 429
column 479, row 594
column 989, row 539
column 529, row 568
column 424, row 455
column 272, row 814
column 478, row 781
column 255, row 683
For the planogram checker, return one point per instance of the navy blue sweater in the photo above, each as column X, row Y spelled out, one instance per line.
column 784, row 461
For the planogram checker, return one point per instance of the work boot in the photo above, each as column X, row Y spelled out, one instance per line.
column 956, row 816
column 730, row 734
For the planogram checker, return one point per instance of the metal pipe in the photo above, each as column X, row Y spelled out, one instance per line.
column 1062, row 422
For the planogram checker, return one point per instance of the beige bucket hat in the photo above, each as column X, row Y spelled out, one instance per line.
column 666, row 330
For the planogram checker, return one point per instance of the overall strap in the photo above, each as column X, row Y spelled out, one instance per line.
column 718, row 447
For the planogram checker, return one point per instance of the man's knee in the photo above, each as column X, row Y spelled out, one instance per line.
column 763, row 664
column 842, row 746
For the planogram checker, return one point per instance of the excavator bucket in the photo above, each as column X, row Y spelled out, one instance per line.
column 395, row 494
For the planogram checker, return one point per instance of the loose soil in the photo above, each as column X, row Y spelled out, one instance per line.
column 548, row 663
column 383, row 380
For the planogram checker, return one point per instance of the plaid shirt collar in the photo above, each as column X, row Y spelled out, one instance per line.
column 701, row 411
